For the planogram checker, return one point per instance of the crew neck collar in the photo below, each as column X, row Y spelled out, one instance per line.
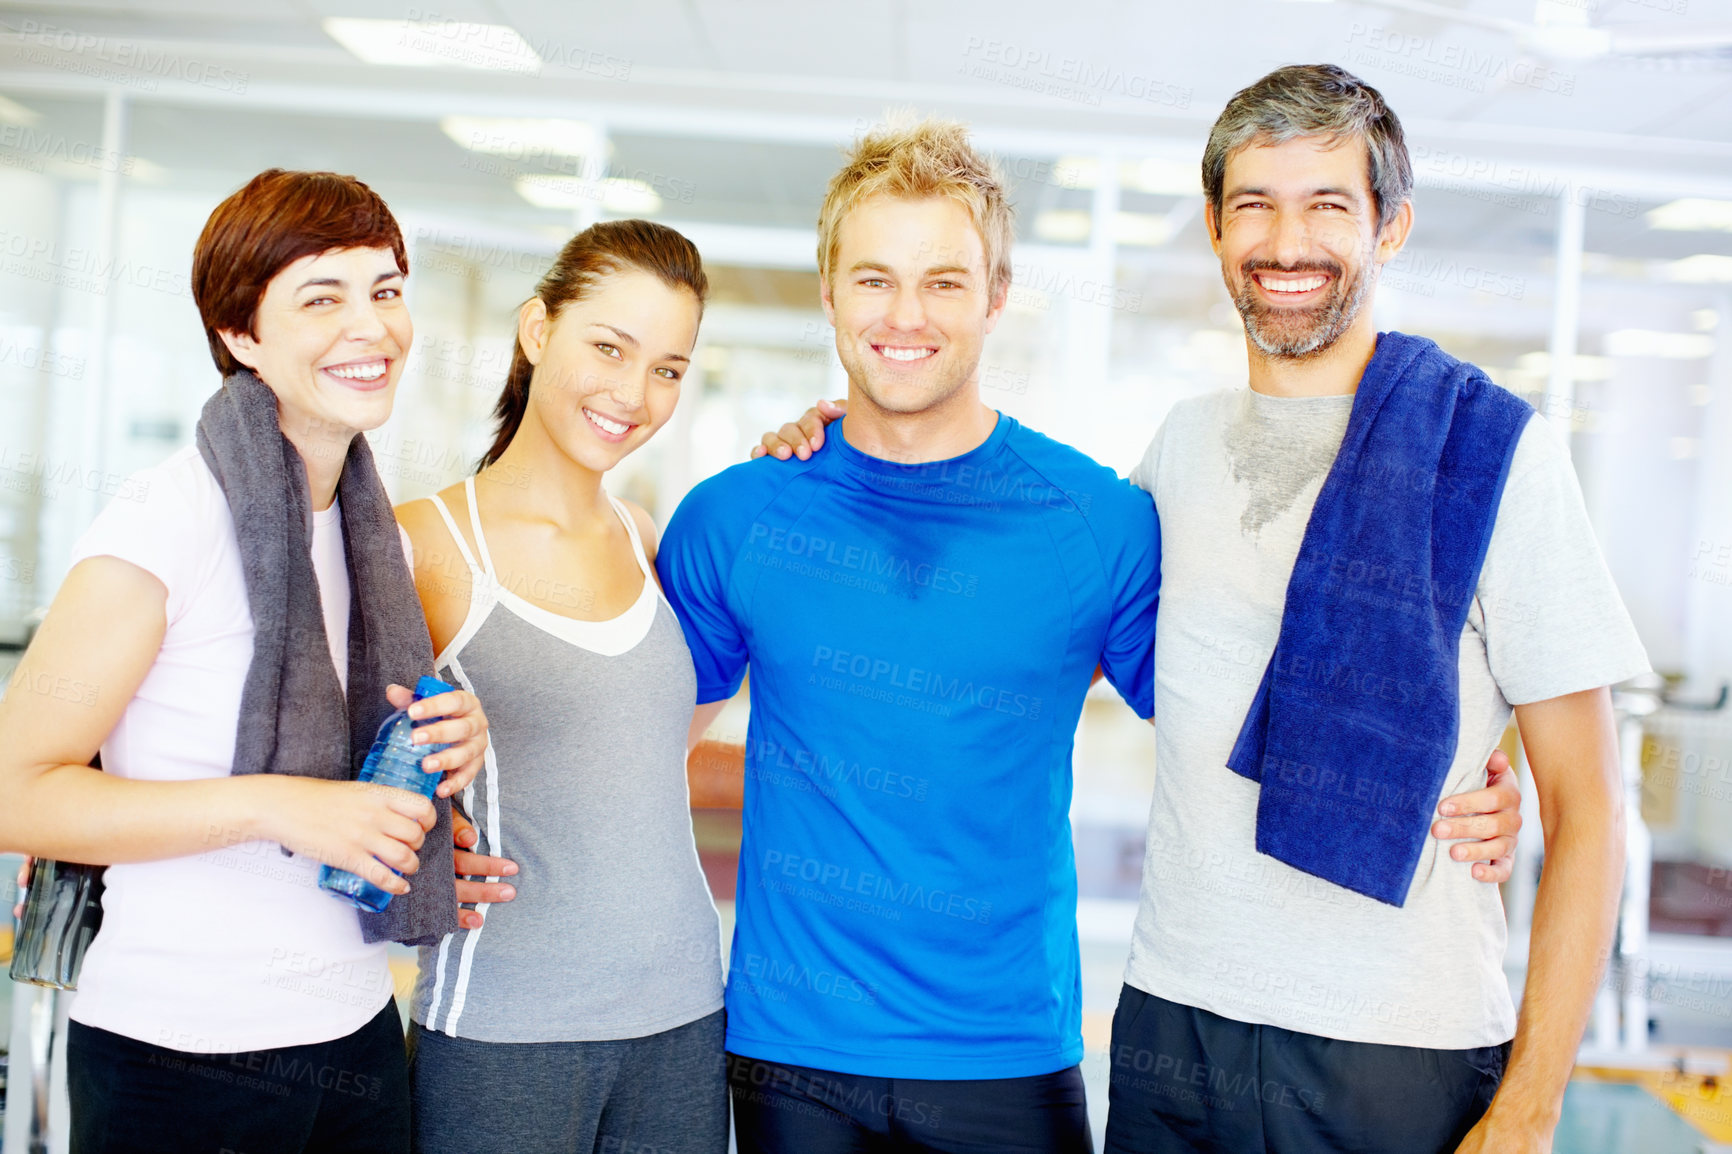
column 854, row 458
column 1265, row 402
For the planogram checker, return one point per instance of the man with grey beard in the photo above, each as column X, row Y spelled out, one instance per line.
column 1277, row 997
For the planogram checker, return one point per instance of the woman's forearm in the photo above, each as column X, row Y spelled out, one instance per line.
column 76, row 813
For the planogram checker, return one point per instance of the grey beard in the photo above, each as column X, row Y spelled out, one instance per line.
column 1328, row 321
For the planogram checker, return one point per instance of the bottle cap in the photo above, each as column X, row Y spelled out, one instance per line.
column 431, row 687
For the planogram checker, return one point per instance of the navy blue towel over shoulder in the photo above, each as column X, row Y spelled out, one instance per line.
column 1354, row 726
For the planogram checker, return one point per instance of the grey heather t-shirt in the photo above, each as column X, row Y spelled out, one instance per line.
column 1224, row 928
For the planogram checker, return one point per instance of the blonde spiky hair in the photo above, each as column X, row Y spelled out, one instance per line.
column 915, row 159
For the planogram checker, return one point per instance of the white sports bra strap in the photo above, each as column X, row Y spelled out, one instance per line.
column 475, row 523
column 451, row 524
column 636, row 540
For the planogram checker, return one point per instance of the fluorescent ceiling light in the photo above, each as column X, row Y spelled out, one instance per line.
column 1073, row 226
column 134, row 168
column 629, row 196
column 1163, row 177
column 1703, row 268
column 614, row 194
column 1693, row 214
column 1142, row 228
column 520, row 137
column 11, row 112
column 1155, row 175
column 1583, row 368
column 1650, row 343
column 1561, row 13
column 1704, row 320
column 434, row 44
column 1076, row 172
column 1062, row 226
column 1567, row 41
column 145, row 171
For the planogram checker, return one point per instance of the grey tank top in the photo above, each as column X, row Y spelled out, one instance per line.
column 613, row 933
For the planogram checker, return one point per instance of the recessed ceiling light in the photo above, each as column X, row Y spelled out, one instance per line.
column 434, row 44
column 520, row 137
column 1693, row 214
column 614, row 194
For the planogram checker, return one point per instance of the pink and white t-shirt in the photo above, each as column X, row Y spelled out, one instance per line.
column 236, row 948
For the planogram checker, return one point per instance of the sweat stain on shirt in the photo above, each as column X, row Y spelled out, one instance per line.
column 1277, row 447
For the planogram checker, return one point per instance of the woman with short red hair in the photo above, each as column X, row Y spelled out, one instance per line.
column 246, row 622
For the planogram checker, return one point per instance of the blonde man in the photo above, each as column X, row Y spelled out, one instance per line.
column 922, row 607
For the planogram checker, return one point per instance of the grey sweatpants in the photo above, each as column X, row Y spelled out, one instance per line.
column 662, row 1094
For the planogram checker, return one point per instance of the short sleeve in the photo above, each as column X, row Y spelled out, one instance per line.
column 1134, row 571
column 694, row 561
column 154, row 522
column 1554, row 621
column 1144, row 473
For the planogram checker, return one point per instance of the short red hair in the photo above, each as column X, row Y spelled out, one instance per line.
column 277, row 218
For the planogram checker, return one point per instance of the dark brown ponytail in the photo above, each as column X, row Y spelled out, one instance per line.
column 608, row 247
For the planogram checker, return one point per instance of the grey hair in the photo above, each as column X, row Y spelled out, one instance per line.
column 1313, row 100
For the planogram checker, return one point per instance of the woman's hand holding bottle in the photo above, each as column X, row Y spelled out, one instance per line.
column 462, row 724
column 356, row 826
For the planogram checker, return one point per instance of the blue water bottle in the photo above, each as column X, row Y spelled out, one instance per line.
column 393, row 761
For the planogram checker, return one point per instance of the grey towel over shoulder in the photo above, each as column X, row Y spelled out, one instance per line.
column 294, row 717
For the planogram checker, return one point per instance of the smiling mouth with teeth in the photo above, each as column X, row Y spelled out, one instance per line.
column 1321, row 301
column 894, row 353
column 1293, row 287
column 615, row 428
column 370, row 371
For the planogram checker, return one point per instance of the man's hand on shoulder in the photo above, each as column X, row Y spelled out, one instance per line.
column 803, row 437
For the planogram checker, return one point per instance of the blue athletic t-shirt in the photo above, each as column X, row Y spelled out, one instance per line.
column 920, row 638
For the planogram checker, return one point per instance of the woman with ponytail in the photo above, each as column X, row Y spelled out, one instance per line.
column 584, row 1014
